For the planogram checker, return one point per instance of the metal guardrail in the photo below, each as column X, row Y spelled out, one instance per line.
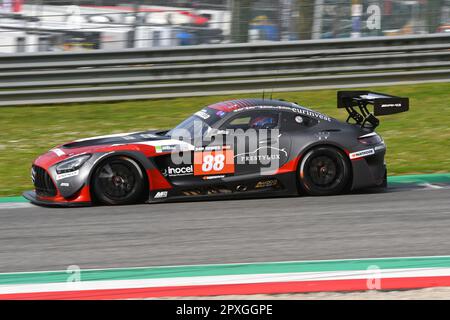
column 222, row 69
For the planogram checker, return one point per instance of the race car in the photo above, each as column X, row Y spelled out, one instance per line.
column 237, row 148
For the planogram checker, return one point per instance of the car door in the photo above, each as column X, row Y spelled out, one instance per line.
column 259, row 146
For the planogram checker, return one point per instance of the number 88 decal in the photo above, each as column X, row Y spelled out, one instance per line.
column 214, row 162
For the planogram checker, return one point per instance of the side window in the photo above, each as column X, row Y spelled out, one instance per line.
column 294, row 121
column 239, row 123
column 253, row 120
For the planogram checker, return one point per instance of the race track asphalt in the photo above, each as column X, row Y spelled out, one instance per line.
column 397, row 223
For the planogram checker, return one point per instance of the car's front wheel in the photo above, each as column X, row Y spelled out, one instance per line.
column 323, row 171
column 118, row 181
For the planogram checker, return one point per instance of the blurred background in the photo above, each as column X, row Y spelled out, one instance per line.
column 81, row 25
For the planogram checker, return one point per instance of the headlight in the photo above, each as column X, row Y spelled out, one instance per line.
column 72, row 164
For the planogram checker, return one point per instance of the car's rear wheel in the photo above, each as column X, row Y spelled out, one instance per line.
column 324, row 171
column 118, row 181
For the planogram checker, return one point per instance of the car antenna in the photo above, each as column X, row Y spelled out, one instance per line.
column 271, row 94
column 263, row 95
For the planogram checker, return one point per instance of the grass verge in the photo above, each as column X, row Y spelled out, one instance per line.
column 418, row 141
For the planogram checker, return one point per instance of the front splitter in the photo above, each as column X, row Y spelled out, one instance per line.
column 34, row 199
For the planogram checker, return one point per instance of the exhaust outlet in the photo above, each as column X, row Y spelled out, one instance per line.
column 241, row 188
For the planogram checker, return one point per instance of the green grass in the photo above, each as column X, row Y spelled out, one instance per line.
column 418, row 141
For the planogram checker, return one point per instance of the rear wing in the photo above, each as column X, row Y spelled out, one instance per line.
column 383, row 105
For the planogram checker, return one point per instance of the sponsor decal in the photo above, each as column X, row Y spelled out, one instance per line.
column 221, row 113
column 202, row 114
column 362, row 154
column 255, row 157
column 128, row 138
column 212, row 148
column 300, row 110
column 167, row 148
column 58, row 152
column 392, row 105
column 160, row 195
column 266, row 184
column 67, row 175
column 178, row 171
column 382, row 147
column 213, row 177
column 259, row 158
column 313, row 114
column 65, row 184
column 213, row 162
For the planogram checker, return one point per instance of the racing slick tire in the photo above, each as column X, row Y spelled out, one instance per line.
column 118, row 181
column 324, row 171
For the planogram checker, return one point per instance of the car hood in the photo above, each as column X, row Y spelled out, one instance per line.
column 144, row 141
column 115, row 139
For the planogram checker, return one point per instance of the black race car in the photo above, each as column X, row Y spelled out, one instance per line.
column 238, row 148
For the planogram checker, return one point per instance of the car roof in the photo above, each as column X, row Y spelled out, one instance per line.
column 230, row 106
column 233, row 105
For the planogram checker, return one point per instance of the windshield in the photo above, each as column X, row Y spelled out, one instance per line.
column 196, row 125
column 190, row 128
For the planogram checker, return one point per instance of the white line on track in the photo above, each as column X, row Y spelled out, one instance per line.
column 18, row 205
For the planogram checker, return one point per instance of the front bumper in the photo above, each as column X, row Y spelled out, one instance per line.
column 35, row 199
